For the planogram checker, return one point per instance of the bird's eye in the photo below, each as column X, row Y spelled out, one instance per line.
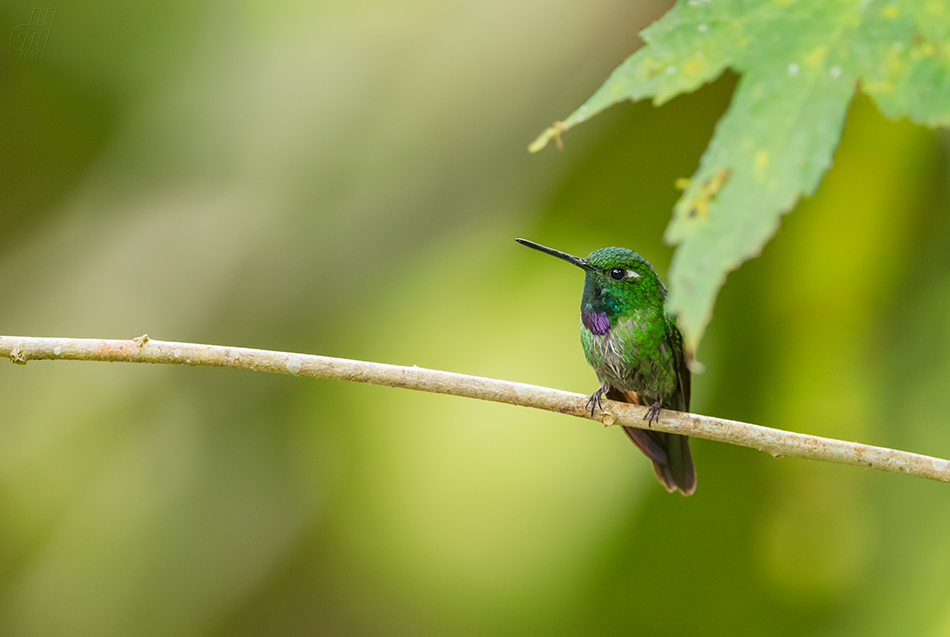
column 617, row 274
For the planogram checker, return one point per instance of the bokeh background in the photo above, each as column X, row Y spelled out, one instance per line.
column 347, row 178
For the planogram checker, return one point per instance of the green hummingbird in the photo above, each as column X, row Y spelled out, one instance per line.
column 636, row 350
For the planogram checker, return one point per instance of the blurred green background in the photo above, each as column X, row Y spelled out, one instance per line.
column 347, row 178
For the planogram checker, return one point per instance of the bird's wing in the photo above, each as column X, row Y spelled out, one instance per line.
column 678, row 402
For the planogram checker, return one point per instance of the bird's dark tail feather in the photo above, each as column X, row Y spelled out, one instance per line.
column 671, row 458
column 672, row 461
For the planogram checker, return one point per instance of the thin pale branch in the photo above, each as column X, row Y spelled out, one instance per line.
column 21, row 349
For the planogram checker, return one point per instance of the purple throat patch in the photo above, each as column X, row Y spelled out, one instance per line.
column 596, row 322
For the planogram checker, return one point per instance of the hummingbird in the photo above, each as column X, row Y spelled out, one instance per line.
column 636, row 350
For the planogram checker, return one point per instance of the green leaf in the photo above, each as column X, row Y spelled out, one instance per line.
column 800, row 62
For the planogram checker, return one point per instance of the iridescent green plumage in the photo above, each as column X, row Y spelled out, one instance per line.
column 636, row 350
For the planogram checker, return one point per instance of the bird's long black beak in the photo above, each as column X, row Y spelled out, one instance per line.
column 581, row 263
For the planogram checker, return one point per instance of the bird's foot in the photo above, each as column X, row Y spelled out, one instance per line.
column 653, row 412
column 594, row 402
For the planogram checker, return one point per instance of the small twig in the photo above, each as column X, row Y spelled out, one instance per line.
column 21, row 349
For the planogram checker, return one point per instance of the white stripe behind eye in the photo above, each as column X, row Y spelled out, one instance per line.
column 632, row 275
